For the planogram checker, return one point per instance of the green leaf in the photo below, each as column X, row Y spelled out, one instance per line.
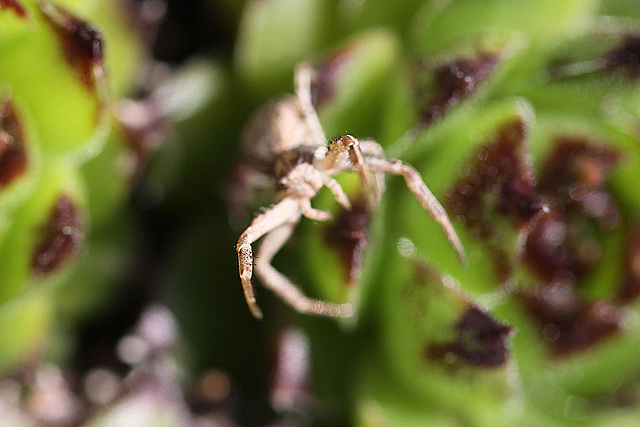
column 467, row 19
column 275, row 35
column 38, row 222
column 24, row 327
column 68, row 105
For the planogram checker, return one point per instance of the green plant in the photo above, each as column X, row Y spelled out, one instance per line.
column 523, row 119
column 62, row 154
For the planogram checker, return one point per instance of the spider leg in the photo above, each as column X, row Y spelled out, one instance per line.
column 423, row 195
column 285, row 211
column 280, row 284
column 302, row 82
column 337, row 191
column 348, row 147
column 311, row 213
column 371, row 148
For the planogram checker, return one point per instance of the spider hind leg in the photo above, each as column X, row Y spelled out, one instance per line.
column 282, row 286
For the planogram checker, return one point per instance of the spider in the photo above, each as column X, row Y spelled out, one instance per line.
column 285, row 139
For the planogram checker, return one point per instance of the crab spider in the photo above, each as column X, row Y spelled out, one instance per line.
column 285, row 140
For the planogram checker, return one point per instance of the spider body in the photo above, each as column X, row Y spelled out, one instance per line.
column 285, row 140
column 277, row 129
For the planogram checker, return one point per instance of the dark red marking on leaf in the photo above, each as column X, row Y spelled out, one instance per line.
column 625, row 397
column 630, row 288
column 323, row 85
column 144, row 127
column 81, row 42
column 626, row 56
column 566, row 322
column 15, row 6
column 576, row 172
column 500, row 169
column 481, row 341
column 562, row 246
column 61, row 237
column 349, row 235
column 456, row 81
column 425, row 274
column 498, row 182
column 13, row 157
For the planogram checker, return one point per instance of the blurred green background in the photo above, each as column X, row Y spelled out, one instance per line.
column 123, row 190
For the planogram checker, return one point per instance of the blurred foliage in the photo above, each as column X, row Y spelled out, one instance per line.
column 522, row 117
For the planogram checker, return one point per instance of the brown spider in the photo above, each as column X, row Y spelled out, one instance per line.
column 285, row 140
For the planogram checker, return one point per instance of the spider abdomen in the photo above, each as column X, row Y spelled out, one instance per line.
column 276, row 128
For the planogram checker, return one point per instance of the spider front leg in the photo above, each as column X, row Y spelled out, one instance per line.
column 337, row 191
column 311, row 213
column 422, row 194
column 339, row 148
column 281, row 286
column 287, row 210
column 343, row 150
column 370, row 148
column 302, row 82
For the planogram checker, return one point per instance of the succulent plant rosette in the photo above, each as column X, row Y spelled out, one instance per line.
column 524, row 120
column 66, row 160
